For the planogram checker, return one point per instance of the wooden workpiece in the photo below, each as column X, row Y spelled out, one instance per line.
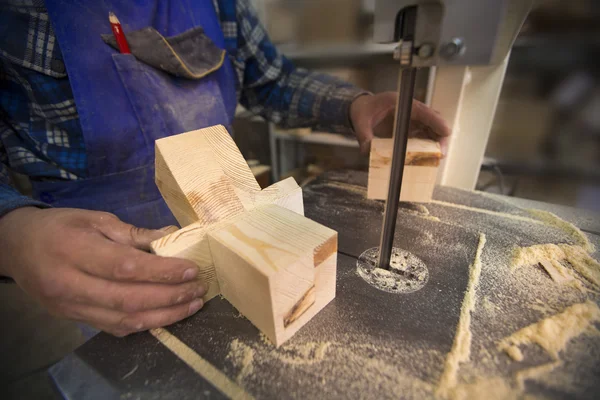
column 253, row 246
column 420, row 169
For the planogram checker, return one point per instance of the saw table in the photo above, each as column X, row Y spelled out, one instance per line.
column 370, row 343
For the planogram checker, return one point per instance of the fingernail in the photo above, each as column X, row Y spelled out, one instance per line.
column 195, row 306
column 190, row 273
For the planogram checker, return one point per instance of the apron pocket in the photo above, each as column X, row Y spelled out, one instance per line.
column 167, row 105
column 191, row 54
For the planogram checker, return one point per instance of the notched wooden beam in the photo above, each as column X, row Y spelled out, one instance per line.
column 255, row 247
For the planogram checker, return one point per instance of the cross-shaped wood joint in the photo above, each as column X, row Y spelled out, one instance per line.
column 253, row 246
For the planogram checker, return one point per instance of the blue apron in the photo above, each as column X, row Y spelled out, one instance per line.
column 125, row 105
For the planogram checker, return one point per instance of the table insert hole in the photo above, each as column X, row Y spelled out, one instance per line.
column 407, row 272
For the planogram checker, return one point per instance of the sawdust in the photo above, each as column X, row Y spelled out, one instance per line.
column 575, row 256
column 407, row 273
column 494, row 388
column 461, row 349
column 205, row 369
column 541, row 307
column 244, row 356
column 514, row 352
column 535, row 372
column 347, row 369
column 567, row 227
column 488, row 305
column 420, row 211
column 489, row 212
column 348, row 186
column 553, row 333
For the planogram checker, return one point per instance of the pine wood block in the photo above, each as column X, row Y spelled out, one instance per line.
column 266, row 273
column 420, row 169
column 267, row 264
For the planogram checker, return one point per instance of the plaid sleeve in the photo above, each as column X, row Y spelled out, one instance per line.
column 10, row 198
column 288, row 96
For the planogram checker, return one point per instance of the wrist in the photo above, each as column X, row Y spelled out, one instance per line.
column 355, row 109
column 9, row 223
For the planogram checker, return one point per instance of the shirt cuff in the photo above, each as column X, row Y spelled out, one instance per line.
column 335, row 110
column 10, row 200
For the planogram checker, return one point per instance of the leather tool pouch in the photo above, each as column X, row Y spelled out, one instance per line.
column 191, row 54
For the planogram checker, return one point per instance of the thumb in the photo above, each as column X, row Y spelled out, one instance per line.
column 364, row 146
column 131, row 235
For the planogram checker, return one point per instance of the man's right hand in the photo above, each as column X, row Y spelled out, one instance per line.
column 91, row 267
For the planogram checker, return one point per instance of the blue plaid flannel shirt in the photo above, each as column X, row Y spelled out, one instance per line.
column 40, row 133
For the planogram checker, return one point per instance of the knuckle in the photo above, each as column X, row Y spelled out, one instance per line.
column 119, row 303
column 180, row 297
column 138, row 235
column 129, row 304
column 106, row 216
column 124, row 269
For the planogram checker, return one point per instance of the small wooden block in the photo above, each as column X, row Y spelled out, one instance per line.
column 267, row 264
column 420, row 169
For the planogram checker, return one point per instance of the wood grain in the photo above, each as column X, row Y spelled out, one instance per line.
column 266, row 267
column 420, row 170
column 196, row 187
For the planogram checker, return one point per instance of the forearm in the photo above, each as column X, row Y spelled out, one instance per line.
column 301, row 98
column 275, row 89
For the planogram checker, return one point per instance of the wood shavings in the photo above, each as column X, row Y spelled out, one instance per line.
column 514, row 352
column 576, row 256
column 567, row 227
column 461, row 349
column 553, row 333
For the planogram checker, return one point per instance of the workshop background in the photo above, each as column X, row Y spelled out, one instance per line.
column 545, row 140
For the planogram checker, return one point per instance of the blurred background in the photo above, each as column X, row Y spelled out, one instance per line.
column 545, row 139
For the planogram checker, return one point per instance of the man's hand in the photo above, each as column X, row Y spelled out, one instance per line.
column 90, row 267
column 373, row 115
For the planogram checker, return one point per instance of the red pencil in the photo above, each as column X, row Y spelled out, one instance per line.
column 118, row 32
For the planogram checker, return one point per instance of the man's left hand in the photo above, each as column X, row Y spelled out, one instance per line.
column 373, row 115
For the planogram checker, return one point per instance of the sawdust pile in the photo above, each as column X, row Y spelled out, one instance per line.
column 535, row 373
column 419, row 211
column 511, row 296
column 461, row 349
column 553, row 333
column 575, row 256
column 348, row 370
column 571, row 230
column 494, row 388
column 243, row 356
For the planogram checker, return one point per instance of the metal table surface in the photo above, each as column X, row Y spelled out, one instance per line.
column 366, row 343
